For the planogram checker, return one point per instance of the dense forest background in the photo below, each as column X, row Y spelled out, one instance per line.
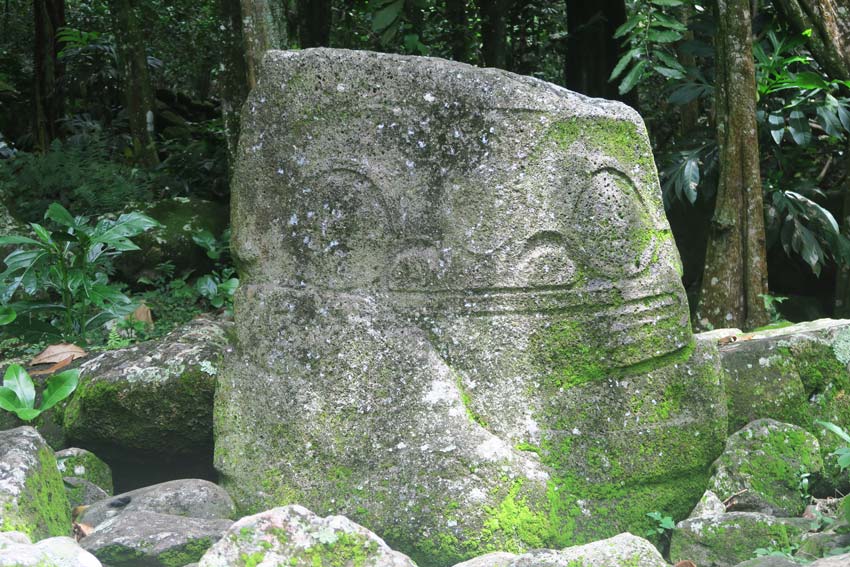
column 108, row 106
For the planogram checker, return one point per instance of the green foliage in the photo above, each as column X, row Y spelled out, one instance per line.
column 663, row 524
column 219, row 286
column 648, row 35
column 786, row 552
column 843, row 455
column 17, row 395
column 771, row 305
column 80, row 175
column 65, row 271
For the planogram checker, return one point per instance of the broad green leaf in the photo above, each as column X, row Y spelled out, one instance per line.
column 19, row 240
column 8, row 399
column 7, row 315
column 691, row 179
column 835, row 429
column 776, row 122
column 229, row 286
column 60, row 214
column 206, row 286
column 623, row 63
column 628, row 26
column 127, row 226
column 44, row 235
column 17, row 380
column 668, row 22
column 668, row 60
column 632, row 77
column 663, row 36
column 386, row 16
column 799, row 127
column 808, row 80
column 669, row 73
column 670, row 3
column 59, row 386
column 27, row 414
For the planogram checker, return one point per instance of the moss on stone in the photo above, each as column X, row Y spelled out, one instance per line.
column 42, row 510
column 191, row 552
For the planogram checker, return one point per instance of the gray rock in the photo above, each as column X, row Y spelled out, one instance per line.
column 16, row 550
column 86, row 465
column 32, row 496
column 762, row 463
column 793, row 374
column 621, row 550
column 728, row 539
column 821, row 544
column 461, row 311
column 295, row 537
column 193, row 498
column 154, row 398
column 153, row 540
column 708, row 505
column 81, row 492
column 834, row 561
column 495, row 559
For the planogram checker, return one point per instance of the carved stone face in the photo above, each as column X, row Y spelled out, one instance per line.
column 448, row 264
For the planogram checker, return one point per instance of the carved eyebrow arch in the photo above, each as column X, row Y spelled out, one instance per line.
column 619, row 174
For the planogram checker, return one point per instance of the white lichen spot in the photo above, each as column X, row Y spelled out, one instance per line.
column 429, row 97
column 208, row 368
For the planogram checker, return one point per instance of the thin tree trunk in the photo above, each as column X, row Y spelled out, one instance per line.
column 138, row 93
column 48, row 98
column 829, row 22
column 592, row 51
column 234, row 84
column 314, row 23
column 259, row 33
column 842, row 276
column 735, row 275
column 494, row 31
column 458, row 32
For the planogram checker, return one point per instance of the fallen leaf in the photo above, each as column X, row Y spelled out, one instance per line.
column 58, row 353
column 685, row 564
column 143, row 314
column 55, row 367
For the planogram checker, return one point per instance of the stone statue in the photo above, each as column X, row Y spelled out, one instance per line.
column 461, row 322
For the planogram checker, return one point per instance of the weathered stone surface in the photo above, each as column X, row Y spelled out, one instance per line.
column 154, row 397
column 296, row 537
column 821, row 544
column 81, row 492
column 181, row 219
column 495, row 559
column 834, row 561
column 728, row 539
column 762, row 464
column 86, row 465
column 32, row 497
column 193, row 498
column 154, row 540
column 793, row 374
column 16, row 550
column 708, row 505
column 623, row 550
column 461, row 322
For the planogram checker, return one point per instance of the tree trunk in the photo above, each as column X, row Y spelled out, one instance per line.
column 259, row 33
column 234, row 81
column 494, row 31
column 735, row 275
column 138, row 93
column 48, row 98
column 458, row 32
column 314, row 23
column 842, row 275
column 592, row 51
column 829, row 21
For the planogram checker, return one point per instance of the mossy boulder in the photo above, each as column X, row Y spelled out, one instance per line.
column 461, row 323
column 725, row 540
column 81, row 492
column 795, row 374
column 761, row 468
column 181, row 219
column 624, row 550
column 190, row 498
column 295, row 537
column 16, row 550
column 153, row 398
column 79, row 463
column 149, row 539
column 32, row 496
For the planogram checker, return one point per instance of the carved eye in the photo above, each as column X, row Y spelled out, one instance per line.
column 612, row 225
